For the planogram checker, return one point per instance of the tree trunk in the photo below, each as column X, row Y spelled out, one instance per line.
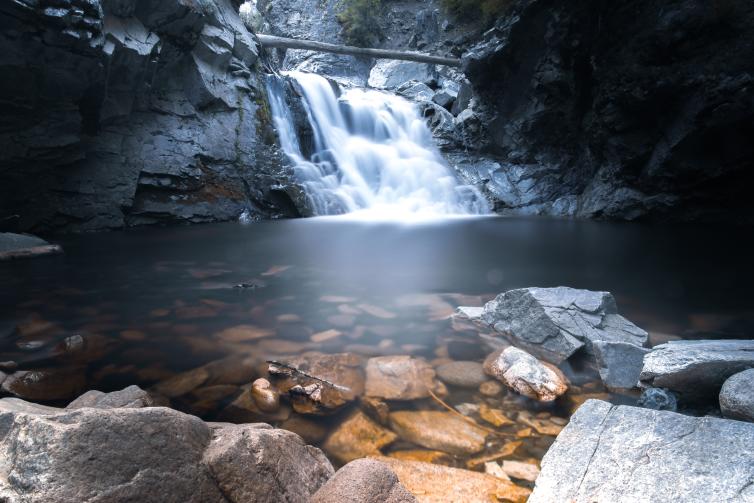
column 269, row 41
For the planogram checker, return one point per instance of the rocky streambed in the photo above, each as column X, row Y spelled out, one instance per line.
column 498, row 413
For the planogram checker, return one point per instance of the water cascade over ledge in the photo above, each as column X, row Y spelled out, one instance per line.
column 373, row 156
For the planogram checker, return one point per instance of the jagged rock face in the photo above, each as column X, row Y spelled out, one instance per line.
column 621, row 453
column 133, row 112
column 620, row 109
column 314, row 20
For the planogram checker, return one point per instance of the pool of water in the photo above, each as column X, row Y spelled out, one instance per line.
column 151, row 303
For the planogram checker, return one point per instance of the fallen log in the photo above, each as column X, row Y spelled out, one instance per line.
column 269, row 41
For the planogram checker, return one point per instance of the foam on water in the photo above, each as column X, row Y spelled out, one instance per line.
column 373, row 155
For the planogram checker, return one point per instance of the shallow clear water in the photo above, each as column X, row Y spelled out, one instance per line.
column 157, row 299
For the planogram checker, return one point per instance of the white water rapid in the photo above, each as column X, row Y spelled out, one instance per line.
column 373, row 155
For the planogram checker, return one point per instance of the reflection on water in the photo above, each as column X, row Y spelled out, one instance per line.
column 150, row 304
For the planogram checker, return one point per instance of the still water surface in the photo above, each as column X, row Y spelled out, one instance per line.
column 161, row 298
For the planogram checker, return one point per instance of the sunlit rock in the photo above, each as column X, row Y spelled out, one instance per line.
column 526, row 375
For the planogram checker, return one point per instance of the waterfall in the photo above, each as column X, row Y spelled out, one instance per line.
column 373, row 155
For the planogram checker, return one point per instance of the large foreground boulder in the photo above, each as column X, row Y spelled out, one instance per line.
column 364, row 481
column 613, row 453
column 554, row 323
column 696, row 369
column 151, row 454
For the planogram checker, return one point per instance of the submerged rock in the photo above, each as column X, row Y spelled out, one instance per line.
column 526, row 375
column 464, row 374
column 442, row 431
column 619, row 363
column 433, row 483
column 553, row 323
column 737, row 396
column 150, row 454
column 46, row 384
column 521, row 470
column 696, row 369
column 622, row 453
column 400, row 378
column 318, row 383
column 364, row 481
column 357, row 437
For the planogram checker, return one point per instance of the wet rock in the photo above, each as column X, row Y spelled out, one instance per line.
column 619, row 363
column 737, row 396
column 46, row 384
column 265, row 396
column 463, row 100
column 242, row 333
column 423, row 455
column 466, row 350
column 313, row 432
column 490, row 388
column 696, row 369
column 444, row 98
column 131, row 397
column 464, row 374
column 526, row 375
column 17, row 246
column 429, row 482
column 400, row 378
column 69, row 455
column 442, row 431
column 357, row 437
column 494, row 469
column 363, row 481
column 390, row 74
column 495, row 417
column 521, row 470
column 182, row 383
column 658, row 399
column 553, row 323
column 317, row 383
column 602, row 455
column 375, row 408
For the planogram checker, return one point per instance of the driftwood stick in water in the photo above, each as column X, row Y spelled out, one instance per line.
column 269, row 41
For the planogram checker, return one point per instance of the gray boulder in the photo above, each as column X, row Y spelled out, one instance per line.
column 131, row 397
column 390, row 74
column 364, row 481
column 554, row 323
column 621, row 453
column 151, row 454
column 619, row 363
column 696, row 369
column 737, row 396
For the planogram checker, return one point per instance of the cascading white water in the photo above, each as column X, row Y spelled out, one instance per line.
column 373, row 155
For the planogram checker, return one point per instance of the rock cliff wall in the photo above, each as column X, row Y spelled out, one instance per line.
column 635, row 109
column 130, row 112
